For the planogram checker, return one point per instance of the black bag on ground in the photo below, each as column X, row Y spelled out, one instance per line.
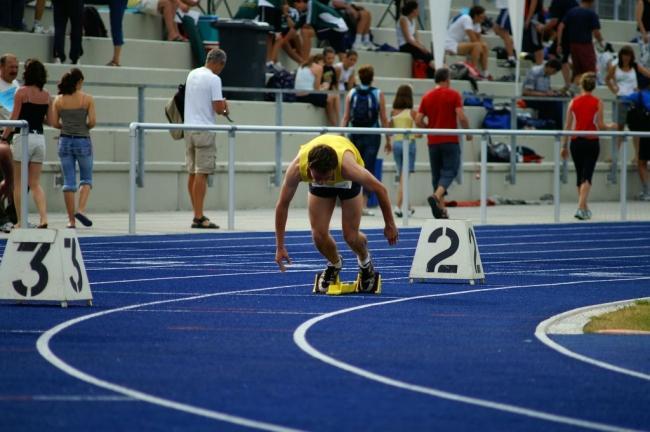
column 498, row 152
column 92, row 23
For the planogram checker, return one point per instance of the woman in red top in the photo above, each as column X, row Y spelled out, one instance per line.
column 585, row 114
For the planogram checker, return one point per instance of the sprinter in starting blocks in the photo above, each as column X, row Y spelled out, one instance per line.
column 365, row 283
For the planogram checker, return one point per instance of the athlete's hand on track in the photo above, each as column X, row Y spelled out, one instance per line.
column 281, row 255
column 391, row 234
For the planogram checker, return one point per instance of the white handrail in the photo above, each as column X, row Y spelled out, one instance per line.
column 136, row 127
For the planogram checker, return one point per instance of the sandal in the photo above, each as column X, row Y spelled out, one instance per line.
column 203, row 223
column 113, row 63
column 70, row 226
column 42, row 226
column 178, row 39
column 83, row 219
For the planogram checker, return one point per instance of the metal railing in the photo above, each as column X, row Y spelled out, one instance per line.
column 511, row 176
column 136, row 129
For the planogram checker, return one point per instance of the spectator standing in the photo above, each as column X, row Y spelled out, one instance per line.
column 582, row 25
column 642, row 14
column 442, row 108
column 638, row 121
column 12, row 15
column 334, row 169
column 39, row 8
column 533, row 29
column 464, row 38
column 560, row 47
column 116, row 10
column 64, row 11
column 538, row 83
column 203, row 100
column 403, row 116
column 346, row 70
column 407, row 34
column 503, row 29
column 585, row 113
column 32, row 103
column 74, row 113
column 622, row 81
column 8, row 87
column 365, row 106
column 309, row 78
column 8, row 83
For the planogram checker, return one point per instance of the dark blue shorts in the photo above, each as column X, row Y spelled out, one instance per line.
column 331, row 192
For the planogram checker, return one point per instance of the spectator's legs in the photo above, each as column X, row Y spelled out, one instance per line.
column 583, row 194
column 507, row 40
column 37, row 191
column 6, row 165
column 292, row 46
column 307, row 33
column 38, row 15
column 116, row 9
column 167, row 9
column 75, row 11
column 197, row 186
column 642, row 166
column 60, row 15
column 16, row 191
column 473, row 49
column 332, row 109
column 484, row 56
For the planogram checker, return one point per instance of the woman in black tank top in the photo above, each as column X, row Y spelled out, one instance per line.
column 31, row 103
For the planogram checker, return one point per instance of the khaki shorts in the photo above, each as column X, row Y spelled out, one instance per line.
column 200, row 152
column 35, row 146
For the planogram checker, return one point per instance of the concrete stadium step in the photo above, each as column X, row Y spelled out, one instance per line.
column 134, row 25
column 98, row 51
column 165, row 186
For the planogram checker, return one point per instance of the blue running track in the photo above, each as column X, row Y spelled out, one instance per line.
column 203, row 333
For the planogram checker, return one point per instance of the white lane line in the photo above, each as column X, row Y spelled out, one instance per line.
column 82, row 398
column 23, row 331
column 43, row 347
column 240, row 312
column 541, row 333
column 484, row 244
column 300, row 339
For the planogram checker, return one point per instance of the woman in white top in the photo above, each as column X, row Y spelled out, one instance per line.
column 622, row 81
column 407, row 34
column 347, row 76
column 308, row 77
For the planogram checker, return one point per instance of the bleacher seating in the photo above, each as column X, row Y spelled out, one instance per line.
column 147, row 60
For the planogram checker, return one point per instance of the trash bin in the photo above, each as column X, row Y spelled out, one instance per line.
column 209, row 34
column 244, row 41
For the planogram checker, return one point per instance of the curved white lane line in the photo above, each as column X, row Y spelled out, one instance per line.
column 540, row 333
column 300, row 339
column 43, row 346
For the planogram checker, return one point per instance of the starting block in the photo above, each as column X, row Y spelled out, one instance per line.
column 339, row 288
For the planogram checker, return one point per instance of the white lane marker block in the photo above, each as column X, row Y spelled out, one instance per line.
column 447, row 249
column 43, row 265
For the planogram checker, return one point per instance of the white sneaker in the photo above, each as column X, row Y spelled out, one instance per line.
column 369, row 46
column 57, row 60
column 644, row 196
column 359, row 46
column 38, row 28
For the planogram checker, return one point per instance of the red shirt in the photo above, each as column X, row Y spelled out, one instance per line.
column 439, row 106
column 584, row 109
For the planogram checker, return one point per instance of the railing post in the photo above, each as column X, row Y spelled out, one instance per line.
column 564, row 174
column 611, row 177
column 624, row 179
column 277, row 178
column 24, row 166
column 140, row 175
column 556, row 178
column 512, row 175
column 484, row 141
column 231, row 179
column 406, row 143
column 134, row 131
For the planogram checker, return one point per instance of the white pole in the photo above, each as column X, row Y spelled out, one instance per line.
column 133, row 137
column 405, row 180
column 24, row 165
column 439, row 18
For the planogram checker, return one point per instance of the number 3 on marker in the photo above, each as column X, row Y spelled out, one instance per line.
column 36, row 264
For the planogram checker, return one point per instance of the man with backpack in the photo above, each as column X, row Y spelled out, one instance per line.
column 365, row 106
column 442, row 108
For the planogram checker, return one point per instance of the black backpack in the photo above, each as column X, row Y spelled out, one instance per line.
column 364, row 107
column 92, row 23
